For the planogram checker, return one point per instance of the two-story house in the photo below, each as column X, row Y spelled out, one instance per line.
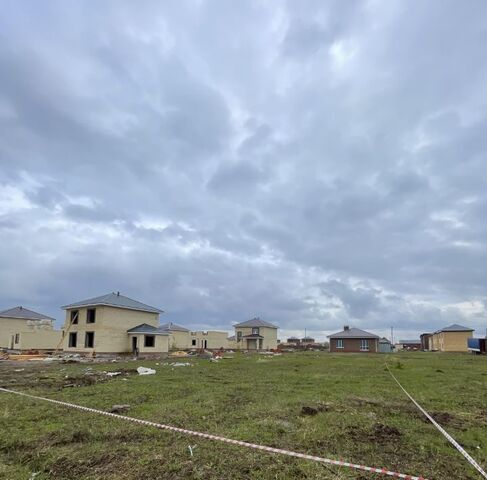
column 255, row 334
column 111, row 324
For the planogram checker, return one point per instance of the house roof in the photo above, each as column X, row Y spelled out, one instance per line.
column 255, row 322
column 409, row 342
column 231, row 339
column 454, row 327
column 253, row 335
column 114, row 300
column 293, row 338
column 307, row 339
column 145, row 328
column 353, row 333
column 384, row 340
column 23, row 313
column 173, row 327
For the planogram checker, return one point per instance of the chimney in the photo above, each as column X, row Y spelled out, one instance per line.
column 346, row 328
column 118, row 294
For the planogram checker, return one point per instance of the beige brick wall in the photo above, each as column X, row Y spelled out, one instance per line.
column 179, row 340
column 39, row 340
column 451, row 341
column 161, row 343
column 214, row 339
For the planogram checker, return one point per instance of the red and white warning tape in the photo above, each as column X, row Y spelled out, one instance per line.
column 340, row 463
column 441, row 429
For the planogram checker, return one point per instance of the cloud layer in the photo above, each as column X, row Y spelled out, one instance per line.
column 313, row 164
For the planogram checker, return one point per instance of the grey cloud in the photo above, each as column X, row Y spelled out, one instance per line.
column 224, row 161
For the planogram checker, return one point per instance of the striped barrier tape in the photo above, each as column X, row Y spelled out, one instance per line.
column 441, row 429
column 280, row 451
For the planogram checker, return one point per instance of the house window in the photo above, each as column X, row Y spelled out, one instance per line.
column 340, row 343
column 74, row 316
column 90, row 315
column 193, row 342
column 255, row 331
column 17, row 338
column 89, row 339
column 364, row 344
column 239, row 336
column 149, row 341
column 73, row 338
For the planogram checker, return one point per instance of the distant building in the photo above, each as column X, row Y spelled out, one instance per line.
column 453, row 338
column 353, row 340
column 426, row 341
column 385, row 346
column 408, row 345
column 179, row 338
column 210, row 339
column 256, row 334
column 307, row 341
column 293, row 341
column 23, row 329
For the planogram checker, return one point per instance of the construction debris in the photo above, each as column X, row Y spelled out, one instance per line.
column 114, row 374
column 145, row 371
column 119, row 408
column 180, row 364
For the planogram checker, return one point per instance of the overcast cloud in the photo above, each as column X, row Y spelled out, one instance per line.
column 312, row 163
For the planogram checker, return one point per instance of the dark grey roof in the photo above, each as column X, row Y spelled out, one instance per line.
column 255, row 322
column 410, row 342
column 173, row 327
column 145, row 328
column 24, row 314
column 456, row 328
column 353, row 333
column 114, row 300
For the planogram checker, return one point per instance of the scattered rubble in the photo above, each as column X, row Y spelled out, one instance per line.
column 145, row 371
column 119, row 408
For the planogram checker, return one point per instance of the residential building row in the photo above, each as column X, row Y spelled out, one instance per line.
column 453, row 338
column 115, row 324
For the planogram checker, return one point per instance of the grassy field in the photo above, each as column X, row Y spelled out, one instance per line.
column 353, row 411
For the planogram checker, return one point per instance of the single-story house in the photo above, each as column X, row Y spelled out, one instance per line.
column 113, row 324
column 408, row 345
column 385, row 346
column 24, row 329
column 256, row 334
column 353, row 340
column 453, row 338
column 307, row 341
column 179, row 337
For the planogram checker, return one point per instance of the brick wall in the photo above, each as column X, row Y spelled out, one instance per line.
column 353, row 345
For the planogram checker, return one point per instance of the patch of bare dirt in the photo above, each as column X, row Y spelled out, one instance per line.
column 380, row 433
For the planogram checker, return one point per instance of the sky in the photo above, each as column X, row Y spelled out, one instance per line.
column 313, row 163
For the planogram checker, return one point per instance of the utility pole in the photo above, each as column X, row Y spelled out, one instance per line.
column 392, row 335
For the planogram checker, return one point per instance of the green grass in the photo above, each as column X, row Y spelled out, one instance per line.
column 366, row 419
